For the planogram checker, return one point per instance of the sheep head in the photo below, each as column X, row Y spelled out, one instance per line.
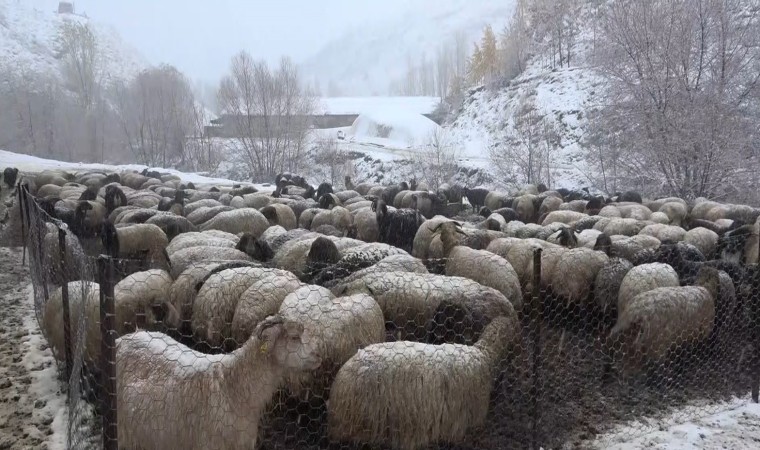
column 709, row 278
column 603, row 244
column 288, row 343
column 255, row 248
column 448, row 233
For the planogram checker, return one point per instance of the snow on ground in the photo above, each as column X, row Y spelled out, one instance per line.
column 32, row 404
column 405, row 128
column 731, row 425
column 33, row 164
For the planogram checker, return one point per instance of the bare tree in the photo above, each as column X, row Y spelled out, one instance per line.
column 268, row 112
column 156, row 112
column 683, row 83
column 331, row 161
column 528, row 148
column 436, row 161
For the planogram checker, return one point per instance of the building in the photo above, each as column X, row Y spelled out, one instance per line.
column 65, row 8
column 334, row 112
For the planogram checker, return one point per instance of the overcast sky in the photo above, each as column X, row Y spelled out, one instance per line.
column 200, row 36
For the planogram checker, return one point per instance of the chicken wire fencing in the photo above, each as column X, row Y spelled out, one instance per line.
column 461, row 352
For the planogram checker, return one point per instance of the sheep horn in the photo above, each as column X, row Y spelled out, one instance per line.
column 268, row 323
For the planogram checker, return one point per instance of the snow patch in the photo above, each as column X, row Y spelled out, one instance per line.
column 403, row 128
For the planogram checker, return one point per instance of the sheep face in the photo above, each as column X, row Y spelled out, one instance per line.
column 288, row 343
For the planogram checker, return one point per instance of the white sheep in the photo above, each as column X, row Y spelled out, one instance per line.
column 170, row 396
column 664, row 318
column 341, row 326
column 187, row 257
column 238, row 221
column 217, row 299
column 487, row 268
column 410, row 395
column 644, row 278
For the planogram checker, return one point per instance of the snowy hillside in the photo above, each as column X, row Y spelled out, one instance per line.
column 28, row 42
column 366, row 60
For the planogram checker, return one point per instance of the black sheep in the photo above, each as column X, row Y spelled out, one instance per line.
column 397, row 227
column 10, row 174
column 257, row 249
column 114, row 198
column 476, row 197
column 630, row 196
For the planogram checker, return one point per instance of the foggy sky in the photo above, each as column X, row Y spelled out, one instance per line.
column 200, row 36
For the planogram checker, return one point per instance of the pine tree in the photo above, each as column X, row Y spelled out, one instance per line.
column 475, row 65
column 489, row 55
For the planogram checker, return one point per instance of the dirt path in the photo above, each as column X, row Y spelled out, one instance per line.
column 32, row 406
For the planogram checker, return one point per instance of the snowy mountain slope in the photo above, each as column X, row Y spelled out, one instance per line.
column 366, row 60
column 561, row 97
column 28, row 42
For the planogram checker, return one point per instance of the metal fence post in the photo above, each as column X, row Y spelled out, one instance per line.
column 20, row 189
column 108, row 353
column 65, row 300
column 536, row 315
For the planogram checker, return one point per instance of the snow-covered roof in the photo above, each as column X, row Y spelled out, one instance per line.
column 361, row 105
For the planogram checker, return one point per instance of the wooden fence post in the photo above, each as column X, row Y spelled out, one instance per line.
column 536, row 317
column 108, row 353
column 65, row 299
column 20, row 189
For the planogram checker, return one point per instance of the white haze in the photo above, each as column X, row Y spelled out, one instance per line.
column 199, row 36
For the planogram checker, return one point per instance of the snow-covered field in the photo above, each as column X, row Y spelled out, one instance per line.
column 735, row 425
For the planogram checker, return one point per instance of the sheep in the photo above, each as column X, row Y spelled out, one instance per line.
column 570, row 273
column 675, row 211
column 216, row 301
column 702, row 238
column 279, row 214
column 400, row 393
column 658, row 320
column 137, row 241
column 209, row 400
column 352, row 260
column 644, row 278
column 563, row 216
column 186, row 257
column 172, row 225
column 409, row 300
column 519, row 253
column 495, row 200
column 564, row 237
column 238, row 221
column 262, row 299
column 10, row 174
column 197, row 239
column 203, row 214
column 664, row 232
column 258, row 249
column 607, row 285
column 740, row 245
column 394, row 263
column 454, row 323
column 397, row 227
column 185, row 288
column 482, row 266
column 206, row 203
column 341, row 327
column 366, row 226
column 424, row 236
column 137, row 299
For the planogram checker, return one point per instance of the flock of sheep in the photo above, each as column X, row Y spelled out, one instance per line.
column 397, row 305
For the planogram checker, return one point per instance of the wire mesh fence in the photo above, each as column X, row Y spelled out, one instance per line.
column 336, row 343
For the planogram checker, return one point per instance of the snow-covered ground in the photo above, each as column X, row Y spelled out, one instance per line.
column 33, row 164
column 359, row 105
column 729, row 425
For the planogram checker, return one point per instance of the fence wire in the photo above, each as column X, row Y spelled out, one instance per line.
column 527, row 345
